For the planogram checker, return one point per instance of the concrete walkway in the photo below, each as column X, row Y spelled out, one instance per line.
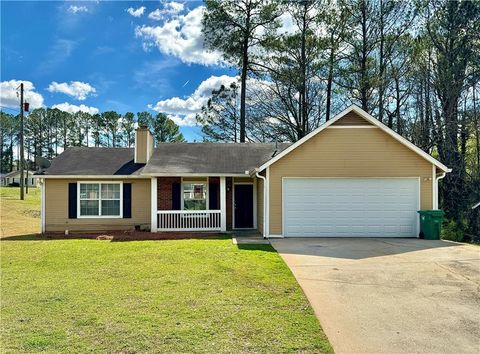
column 390, row 295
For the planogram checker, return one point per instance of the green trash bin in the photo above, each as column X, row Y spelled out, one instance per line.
column 431, row 224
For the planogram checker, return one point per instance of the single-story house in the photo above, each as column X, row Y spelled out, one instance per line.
column 353, row 176
column 14, row 177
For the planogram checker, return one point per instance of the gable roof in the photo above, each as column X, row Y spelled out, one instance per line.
column 209, row 158
column 86, row 161
column 168, row 159
column 371, row 120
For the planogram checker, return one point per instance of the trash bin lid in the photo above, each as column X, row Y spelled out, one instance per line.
column 431, row 212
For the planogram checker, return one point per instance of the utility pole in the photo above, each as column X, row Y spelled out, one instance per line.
column 22, row 157
column 28, row 159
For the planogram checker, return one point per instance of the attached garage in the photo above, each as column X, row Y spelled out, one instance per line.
column 351, row 177
column 350, row 207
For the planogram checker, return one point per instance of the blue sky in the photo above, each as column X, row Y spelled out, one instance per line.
column 122, row 56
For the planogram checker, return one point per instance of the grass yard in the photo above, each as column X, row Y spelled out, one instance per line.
column 19, row 217
column 147, row 296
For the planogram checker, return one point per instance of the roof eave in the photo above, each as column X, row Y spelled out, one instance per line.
column 192, row 174
column 89, row 176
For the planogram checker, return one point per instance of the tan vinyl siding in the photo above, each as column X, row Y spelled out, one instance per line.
column 352, row 119
column 260, row 205
column 348, row 153
column 56, row 208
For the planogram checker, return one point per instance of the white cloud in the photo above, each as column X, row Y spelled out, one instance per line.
column 136, row 12
column 71, row 108
column 183, row 110
column 9, row 98
column 76, row 9
column 169, row 9
column 189, row 120
column 76, row 89
column 180, row 36
column 175, row 6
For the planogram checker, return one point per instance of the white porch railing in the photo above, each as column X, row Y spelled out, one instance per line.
column 189, row 220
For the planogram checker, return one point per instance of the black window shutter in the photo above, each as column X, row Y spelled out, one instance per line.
column 213, row 196
column 72, row 200
column 127, row 200
column 176, row 199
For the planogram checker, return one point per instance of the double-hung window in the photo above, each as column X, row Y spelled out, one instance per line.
column 195, row 195
column 100, row 199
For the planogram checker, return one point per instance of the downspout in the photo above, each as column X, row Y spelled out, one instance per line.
column 442, row 176
column 264, row 202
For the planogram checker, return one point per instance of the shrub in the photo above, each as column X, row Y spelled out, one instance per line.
column 452, row 231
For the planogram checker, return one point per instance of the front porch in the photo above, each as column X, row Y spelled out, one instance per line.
column 203, row 203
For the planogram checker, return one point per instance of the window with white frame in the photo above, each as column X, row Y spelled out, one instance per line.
column 195, row 195
column 100, row 199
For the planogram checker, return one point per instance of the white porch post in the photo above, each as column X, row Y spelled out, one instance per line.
column 153, row 198
column 223, row 205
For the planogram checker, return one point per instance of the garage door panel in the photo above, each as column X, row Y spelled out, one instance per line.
column 361, row 207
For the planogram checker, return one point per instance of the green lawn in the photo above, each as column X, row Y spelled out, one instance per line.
column 19, row 217
column 150, row 296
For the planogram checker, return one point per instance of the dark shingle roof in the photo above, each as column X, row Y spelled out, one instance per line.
column 228, row 158
column 167, row 158
column 95, row 161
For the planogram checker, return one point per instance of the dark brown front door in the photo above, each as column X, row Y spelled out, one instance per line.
column 243, row 206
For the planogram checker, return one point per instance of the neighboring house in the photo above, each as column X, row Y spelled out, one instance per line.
column 14, row 177
column 353, row 176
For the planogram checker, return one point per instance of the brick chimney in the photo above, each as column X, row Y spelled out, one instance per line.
column 143, row 145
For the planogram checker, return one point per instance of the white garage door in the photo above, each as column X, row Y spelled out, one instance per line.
column 350, row 207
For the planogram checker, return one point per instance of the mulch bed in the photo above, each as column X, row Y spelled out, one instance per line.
column 133, row 235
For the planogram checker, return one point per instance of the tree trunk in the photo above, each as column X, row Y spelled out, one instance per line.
column 330, row 80
column 381, row 87
column 397, row 108
column 303, row 90
column 243, row 79
column 363, row 63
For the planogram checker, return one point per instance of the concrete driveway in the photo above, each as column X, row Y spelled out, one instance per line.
column 390, row 295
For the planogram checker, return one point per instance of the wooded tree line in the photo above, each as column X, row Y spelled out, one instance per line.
column 414, row 65
column 50, row 131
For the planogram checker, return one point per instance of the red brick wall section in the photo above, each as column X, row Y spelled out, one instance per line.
column 229, row 185
column 164, row 192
